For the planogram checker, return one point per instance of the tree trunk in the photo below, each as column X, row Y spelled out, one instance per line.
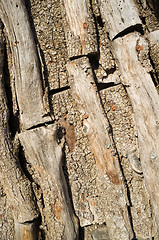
column 79, row 111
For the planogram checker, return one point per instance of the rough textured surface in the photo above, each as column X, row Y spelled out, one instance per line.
column 154, row 54
column 28, row 82
column 82, row 80
column 123, row 19
column 147, row 120
column 65, row 32
column 79, row 27
column 6, row 218
column 16, row 185
column 48, row 158
column 47, row 25
column 119, row 112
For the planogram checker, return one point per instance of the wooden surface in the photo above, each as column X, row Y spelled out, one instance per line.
column 83, row 86
column 17, row 186
column 80, row 31
column 96, row 127
column 81, row 177
column 119, row 16
column 28, row 81
column 42, row 150
column 145, row 102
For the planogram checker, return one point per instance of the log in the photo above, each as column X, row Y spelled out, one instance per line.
column 154, row 37
column 17, row 186
column 28, row 82
column 32, row 112
column 80, row 30
column 145, row 102
column 118, row 18
column 83, row 86
column 42, row 150
column 84, row 91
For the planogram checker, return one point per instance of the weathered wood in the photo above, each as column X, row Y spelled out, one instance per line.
column 85, row 93
column 79, row 27
column 83, row 86
column 154, row 37
column 16, row 185
column 27, row 231
column 145, row 102
column 26, row 63
column 41, row 149
column 119, row 16
column 32, row 112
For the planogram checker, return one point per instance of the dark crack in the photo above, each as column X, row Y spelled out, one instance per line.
column 134, row 28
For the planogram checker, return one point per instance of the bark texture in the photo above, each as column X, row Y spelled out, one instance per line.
column 79, row 119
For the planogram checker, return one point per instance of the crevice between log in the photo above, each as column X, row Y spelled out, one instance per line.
column 102, row 86
column 13, row 119
column 129, row 205
column 40, row 125
column 58, row 90
column 122, row 171
column 134, row 28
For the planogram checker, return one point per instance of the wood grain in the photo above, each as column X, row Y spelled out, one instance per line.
column 80, row 31
column 119, row 15
column 28, row 81
column 42, row 150
column 145, row 102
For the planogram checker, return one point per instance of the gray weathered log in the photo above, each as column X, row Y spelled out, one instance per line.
column 32, row 109
column 41, row 149
column 79, row 27
column 145, row 102
column 28, row 80
column 143, row 95
column 16, row 185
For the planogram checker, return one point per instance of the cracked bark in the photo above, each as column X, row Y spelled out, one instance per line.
column 30, row 93
column 75, row 177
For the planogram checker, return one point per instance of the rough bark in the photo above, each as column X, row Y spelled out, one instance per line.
column 79, row 115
